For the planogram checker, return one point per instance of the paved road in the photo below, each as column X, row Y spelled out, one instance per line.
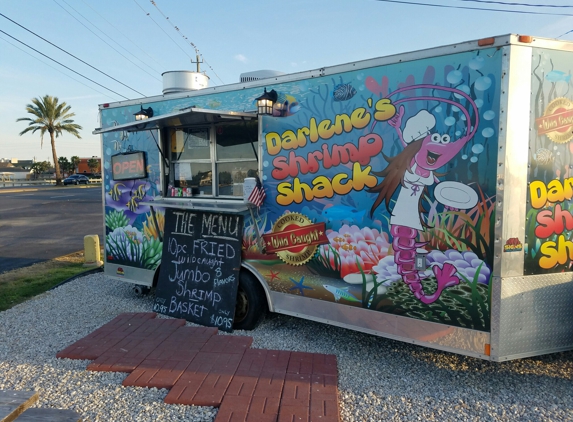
column 41, row 223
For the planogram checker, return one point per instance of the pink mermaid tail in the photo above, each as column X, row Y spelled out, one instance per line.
column 405, row 245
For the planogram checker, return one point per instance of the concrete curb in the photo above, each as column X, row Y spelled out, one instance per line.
column 46, row 187
column 85, row 273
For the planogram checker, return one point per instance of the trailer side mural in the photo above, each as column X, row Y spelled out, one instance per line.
column 380, row 187
column 548, row 246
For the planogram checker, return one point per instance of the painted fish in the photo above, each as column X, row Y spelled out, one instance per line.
column 557, row 75
column 214, row 104
column 343, row 92
column 132, row 205
column 286, row 105
column 341, row 293
column 543, row 156
column 140, row 192
column 115, row 192
column 342, row 213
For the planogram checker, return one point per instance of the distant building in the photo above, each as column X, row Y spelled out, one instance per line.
column 84, row 168
column 11, row 173
column 23, row 164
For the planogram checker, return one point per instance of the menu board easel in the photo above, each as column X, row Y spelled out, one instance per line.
column 200, row 265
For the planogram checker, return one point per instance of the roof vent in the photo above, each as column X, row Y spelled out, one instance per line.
column 259, row 74
column 183, row 80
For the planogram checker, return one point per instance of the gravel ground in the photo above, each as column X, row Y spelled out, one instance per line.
column 379, row 379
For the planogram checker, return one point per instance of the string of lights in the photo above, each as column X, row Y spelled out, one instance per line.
column 104, row 41
column 159, row 26
column 186, row 39
column 136, row 45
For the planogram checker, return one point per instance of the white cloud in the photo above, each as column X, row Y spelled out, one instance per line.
column 241, row 58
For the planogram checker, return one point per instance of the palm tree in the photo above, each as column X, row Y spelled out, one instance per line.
column 93, row 164
column 75, row 162
column 64, row 165
column 51, row 117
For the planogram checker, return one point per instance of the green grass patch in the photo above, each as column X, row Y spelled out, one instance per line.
column 20, row 285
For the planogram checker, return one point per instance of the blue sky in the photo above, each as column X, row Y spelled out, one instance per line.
column 134, row 42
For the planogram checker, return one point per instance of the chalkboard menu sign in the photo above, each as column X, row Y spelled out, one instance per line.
column 200, row 266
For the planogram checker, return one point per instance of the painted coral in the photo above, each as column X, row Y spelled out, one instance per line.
column 468, row 266
column 354, row 250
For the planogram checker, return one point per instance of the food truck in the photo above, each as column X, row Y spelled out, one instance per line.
column 424, row 197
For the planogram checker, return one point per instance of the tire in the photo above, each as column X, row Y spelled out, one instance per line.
column 141, row 290
column 251, row 304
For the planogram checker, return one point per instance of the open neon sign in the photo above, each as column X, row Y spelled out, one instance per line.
column 128, row 166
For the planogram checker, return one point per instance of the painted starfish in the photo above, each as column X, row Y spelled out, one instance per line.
column 273, row 275
column 299, row 285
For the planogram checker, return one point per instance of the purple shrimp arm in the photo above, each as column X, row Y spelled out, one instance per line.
column 396, row 120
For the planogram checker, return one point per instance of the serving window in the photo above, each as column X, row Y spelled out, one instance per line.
column 213, row 160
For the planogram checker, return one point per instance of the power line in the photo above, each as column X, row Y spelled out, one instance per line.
column 518, row 4
column 483, row 9
column 109, row 45
column 185, row 38
column 63, row 65
column 77, row 58
column 57, row 70
column 177, row 29
column 129, row 39
column 159, row 26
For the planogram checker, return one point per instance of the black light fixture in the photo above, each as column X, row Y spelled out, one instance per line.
column 143, row 113
column 266, row 101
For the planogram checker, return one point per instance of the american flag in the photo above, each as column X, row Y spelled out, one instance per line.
column 257, row 196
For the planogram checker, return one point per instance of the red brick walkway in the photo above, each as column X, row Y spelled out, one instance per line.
column 203, row 368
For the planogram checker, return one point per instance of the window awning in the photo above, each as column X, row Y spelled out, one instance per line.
column 184, row 117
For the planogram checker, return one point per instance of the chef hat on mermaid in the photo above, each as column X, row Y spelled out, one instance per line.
column 418, row 126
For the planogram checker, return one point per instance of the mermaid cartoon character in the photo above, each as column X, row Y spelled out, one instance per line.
column 413, row 171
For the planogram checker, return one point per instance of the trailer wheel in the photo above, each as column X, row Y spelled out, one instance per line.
column 251, row 303
column 141, row 290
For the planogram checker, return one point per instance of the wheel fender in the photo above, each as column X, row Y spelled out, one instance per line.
column 262, row 282
column 156, row 276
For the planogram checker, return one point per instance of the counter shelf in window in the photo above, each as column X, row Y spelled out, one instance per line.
column 201, row 204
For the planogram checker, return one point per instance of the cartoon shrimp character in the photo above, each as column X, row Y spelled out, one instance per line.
column 413, row 171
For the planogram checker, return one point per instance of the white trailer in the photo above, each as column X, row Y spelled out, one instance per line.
column 424, row 197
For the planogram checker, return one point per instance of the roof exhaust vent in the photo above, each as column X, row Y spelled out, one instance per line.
column 183, row 80
column 259, row 74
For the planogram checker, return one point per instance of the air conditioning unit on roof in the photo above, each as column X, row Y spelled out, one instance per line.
column 259, row 74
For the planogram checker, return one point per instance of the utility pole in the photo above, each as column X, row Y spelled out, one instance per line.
column 198, row 63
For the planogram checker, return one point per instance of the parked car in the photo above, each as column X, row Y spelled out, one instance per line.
column 76, row 179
